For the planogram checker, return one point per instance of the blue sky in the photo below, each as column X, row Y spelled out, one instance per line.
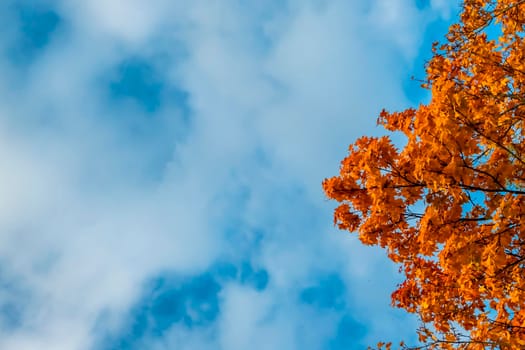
column 162, row 165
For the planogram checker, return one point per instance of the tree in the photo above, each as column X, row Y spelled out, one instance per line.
column 449, row 205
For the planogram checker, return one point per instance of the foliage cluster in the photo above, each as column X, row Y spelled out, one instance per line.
column 449, row 206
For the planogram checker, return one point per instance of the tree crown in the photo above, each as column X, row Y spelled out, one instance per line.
column 449, row 206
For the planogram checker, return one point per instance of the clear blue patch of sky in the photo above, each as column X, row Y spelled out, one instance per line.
column 138, row 80
column 422, row 4
column 244, row 272
column 349, row 335
column 194, row 303
column 435, row 31
column 190, row 302
column 256, row 278
column 327, row 293
column 135, row 79
column 36, row 24
column 168, row 302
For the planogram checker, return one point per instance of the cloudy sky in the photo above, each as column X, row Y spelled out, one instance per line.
column 162, row 164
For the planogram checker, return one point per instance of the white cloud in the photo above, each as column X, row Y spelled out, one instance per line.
column 244, row 322
column 81, row 229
